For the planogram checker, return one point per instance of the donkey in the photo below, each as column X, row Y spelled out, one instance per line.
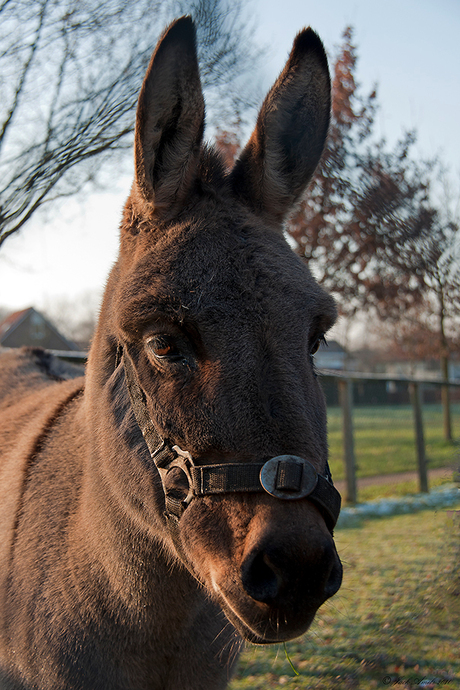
column 176, row 500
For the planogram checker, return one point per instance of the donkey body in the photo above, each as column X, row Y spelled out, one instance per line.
column 114, row 572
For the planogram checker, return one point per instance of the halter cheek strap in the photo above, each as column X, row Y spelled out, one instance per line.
column 286, row 477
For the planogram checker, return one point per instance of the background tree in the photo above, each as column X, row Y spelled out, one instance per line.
column 366, row 207
column 70, row 72
column 415, row 338
column 440, row 260
column 429, row 329
column 370, row 230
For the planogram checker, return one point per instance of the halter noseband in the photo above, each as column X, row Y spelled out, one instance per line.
column 287, row 477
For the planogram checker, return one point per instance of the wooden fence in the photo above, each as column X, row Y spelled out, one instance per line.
column 345, row 384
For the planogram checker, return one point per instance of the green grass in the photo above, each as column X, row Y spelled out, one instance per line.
column 394, row 623
column 396, row 489
column 384, row 439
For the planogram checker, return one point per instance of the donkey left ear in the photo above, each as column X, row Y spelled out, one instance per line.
column 169, row 121
column 286, row 145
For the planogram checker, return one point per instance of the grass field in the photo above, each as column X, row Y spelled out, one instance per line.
column 400, row 488
column 395, row 622
column 384, row 439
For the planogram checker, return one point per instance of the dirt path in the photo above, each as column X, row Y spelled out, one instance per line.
column 443, row 472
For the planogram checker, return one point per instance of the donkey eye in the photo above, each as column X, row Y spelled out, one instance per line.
column 316, row 344
column 163, row 351
column 165, row 347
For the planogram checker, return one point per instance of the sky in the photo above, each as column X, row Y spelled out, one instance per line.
column 410, row 48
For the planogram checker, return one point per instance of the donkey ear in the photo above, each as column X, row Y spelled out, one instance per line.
column 169, row 121
column 287, row 143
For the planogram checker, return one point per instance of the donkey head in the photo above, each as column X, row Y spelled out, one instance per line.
column 218, row 320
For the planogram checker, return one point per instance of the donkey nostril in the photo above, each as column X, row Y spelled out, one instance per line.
column 273, row 576
column 259, row 579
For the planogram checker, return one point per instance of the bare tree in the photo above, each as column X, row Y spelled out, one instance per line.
column 430, row 327
column 70, row 71
column 440, row 253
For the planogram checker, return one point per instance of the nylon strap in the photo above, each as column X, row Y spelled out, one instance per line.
column 160, row 452
column 222, row 479
column 236, row 478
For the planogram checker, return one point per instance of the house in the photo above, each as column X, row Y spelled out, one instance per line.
column 29, row 327
column 330, row 355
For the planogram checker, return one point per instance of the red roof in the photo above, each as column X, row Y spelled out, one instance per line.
column 12, row 320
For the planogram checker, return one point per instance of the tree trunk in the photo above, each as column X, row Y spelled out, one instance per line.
column 444, row 361
column 445, row 398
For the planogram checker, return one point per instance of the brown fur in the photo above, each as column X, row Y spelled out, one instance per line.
column 93, row 593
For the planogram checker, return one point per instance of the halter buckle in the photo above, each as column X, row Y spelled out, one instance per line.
column 288, row 477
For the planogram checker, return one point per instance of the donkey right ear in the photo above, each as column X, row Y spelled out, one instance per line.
column 286, row 145
column 169, row 121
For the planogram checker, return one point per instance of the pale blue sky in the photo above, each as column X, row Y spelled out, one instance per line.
column 410, row 47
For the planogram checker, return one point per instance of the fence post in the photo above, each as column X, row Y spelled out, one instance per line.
column 346, row 402
column 414, row 390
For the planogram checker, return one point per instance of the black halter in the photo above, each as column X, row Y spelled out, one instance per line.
column 286, row 477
